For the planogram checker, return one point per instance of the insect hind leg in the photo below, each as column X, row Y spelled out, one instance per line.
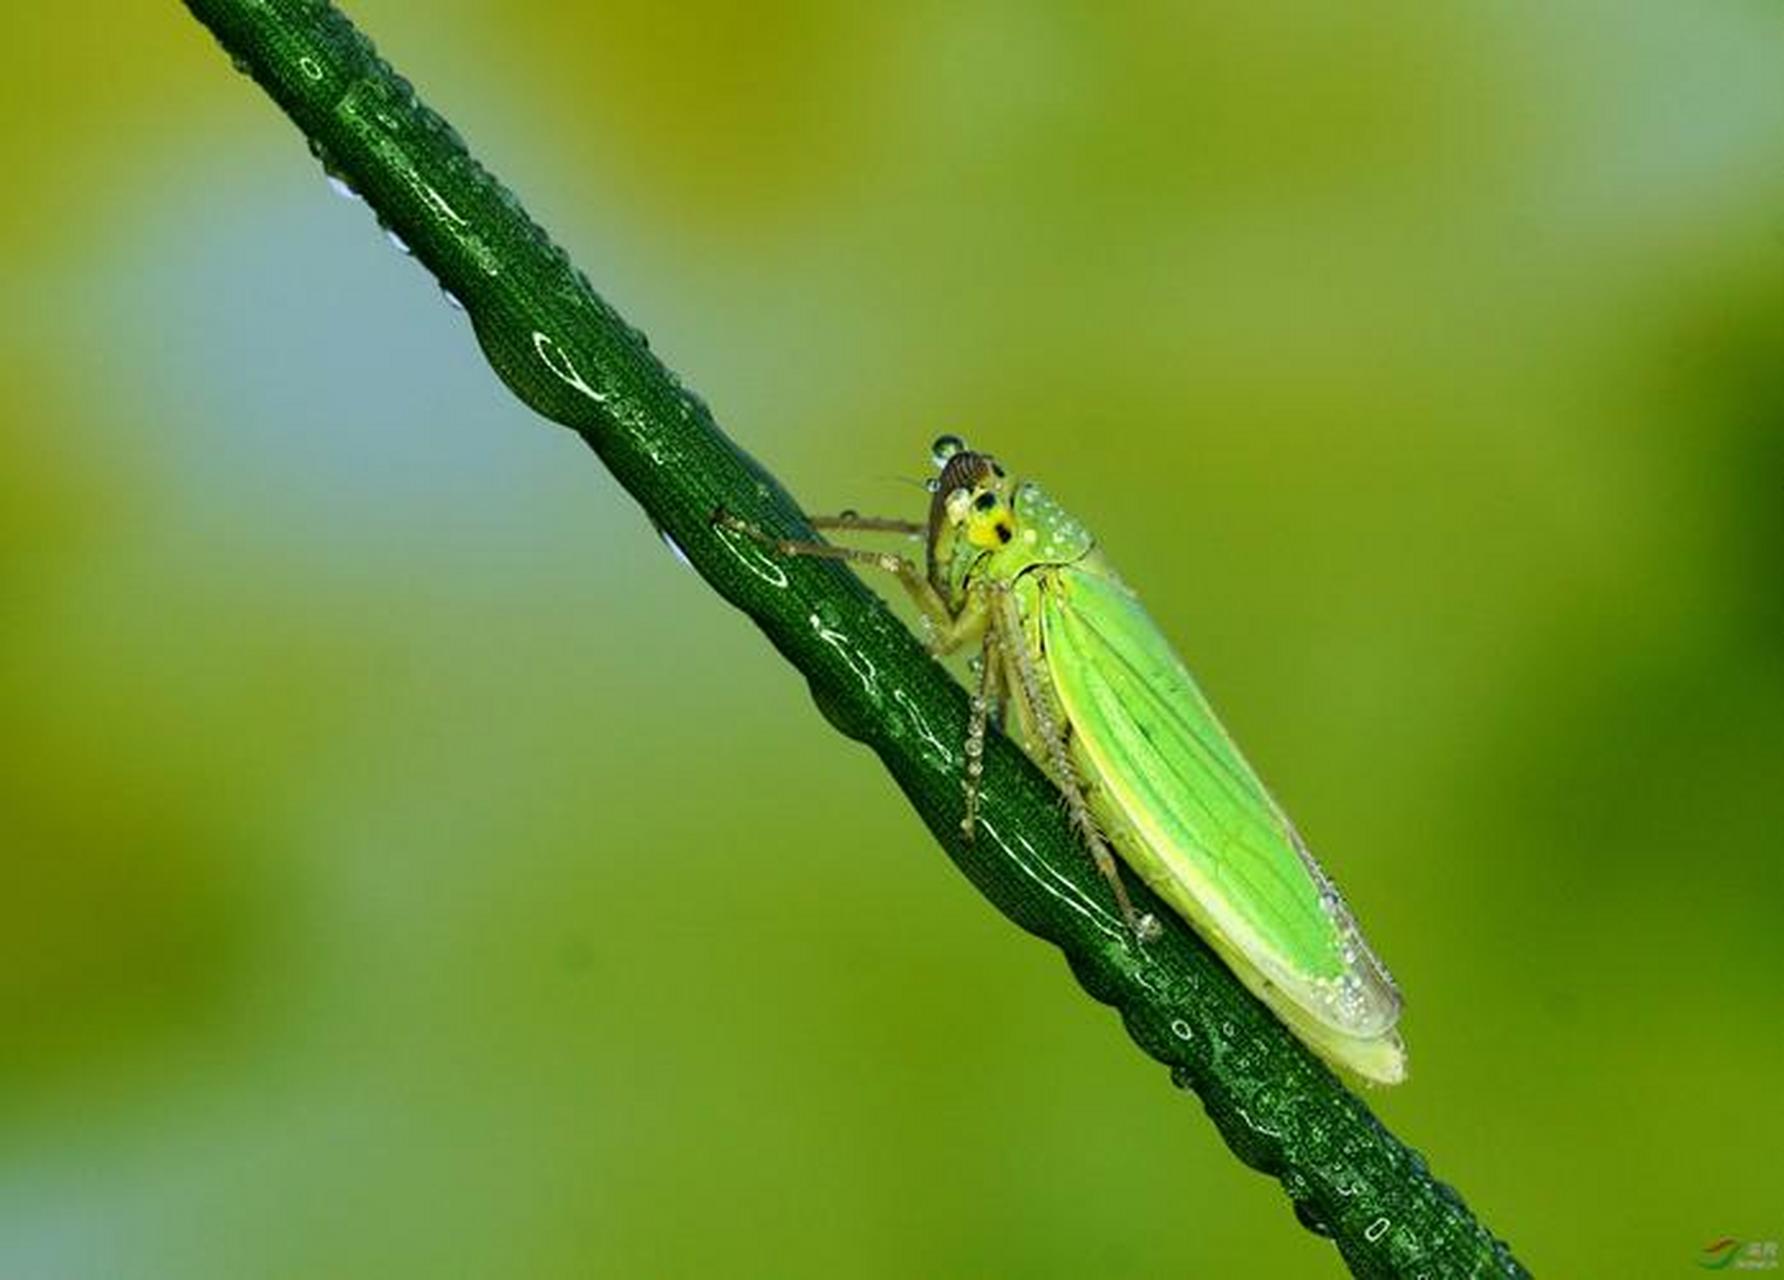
column 989, row 673
column 1026, row 685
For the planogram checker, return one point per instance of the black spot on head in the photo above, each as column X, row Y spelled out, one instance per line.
column 1003, row 533
column 985, row 501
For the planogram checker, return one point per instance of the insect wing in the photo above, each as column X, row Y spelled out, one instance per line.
column 1207, row 835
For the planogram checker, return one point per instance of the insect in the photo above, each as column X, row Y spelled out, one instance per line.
column 1101, row 702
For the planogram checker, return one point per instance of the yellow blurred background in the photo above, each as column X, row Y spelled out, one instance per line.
column 411, row 871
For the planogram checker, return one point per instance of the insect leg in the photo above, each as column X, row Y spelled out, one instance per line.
column 1026, row 685
column 951, row 631
column 989, row 674
column 869, row 524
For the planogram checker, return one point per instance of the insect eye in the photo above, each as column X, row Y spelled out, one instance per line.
column 985, row 501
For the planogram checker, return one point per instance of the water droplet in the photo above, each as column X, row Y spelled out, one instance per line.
column 1375, row 1230
column 341, row 187
column 310, row 67
column 451, row 299
column 1312, row 1219
column 863, row 666
column 402, row 246
column 668, row 540
column 1182, row 1030
column 932, row 484
column 945, row 447
column 849, row 513
column 558, row 361
column 740, row 545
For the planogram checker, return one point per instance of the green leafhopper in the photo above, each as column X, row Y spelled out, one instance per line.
column 1101, row 702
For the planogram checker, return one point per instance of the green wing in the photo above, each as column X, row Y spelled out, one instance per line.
column 1194, row 820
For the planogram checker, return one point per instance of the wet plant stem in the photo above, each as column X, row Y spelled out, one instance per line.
column 568, row 355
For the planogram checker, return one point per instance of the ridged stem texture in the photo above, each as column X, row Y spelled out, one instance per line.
column 567, row 354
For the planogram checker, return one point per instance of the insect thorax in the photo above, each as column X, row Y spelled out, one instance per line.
column 1044, row 533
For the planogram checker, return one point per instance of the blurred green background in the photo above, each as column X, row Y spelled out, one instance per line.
column 410, row 871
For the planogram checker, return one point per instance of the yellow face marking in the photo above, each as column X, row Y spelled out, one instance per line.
column 985, row 516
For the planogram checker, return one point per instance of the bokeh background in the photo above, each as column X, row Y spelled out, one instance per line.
column 409, row 870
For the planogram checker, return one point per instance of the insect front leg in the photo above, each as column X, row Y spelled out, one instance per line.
column 869, row 524
column 949, row 631
column 1035, row 709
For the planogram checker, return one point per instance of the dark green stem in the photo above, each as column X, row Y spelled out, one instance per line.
column 566, row 353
